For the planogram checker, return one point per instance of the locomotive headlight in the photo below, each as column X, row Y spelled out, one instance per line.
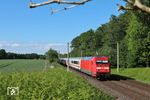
column 106, row 67
column 98, row 68
column 102, row 68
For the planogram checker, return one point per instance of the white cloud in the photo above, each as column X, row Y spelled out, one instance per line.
column 15, row 45
column 53, row 45
column 34, row 47
column 1, row 46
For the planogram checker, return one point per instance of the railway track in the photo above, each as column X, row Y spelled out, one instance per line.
column 123, row 88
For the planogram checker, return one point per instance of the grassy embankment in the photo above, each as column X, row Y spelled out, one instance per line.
column 139, row 74
column 52, row 84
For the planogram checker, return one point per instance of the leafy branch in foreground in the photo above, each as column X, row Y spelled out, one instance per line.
column 135, row 5
column 139, row 5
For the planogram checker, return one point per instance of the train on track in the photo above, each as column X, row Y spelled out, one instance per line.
column 98, row 67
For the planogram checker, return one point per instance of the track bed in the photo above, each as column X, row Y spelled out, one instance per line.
column 123, row 88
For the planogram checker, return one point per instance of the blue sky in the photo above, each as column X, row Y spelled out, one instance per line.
column 25, row 30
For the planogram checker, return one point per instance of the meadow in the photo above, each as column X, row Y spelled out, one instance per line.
column 21, row 65
column 139, row 74
column 52, row 84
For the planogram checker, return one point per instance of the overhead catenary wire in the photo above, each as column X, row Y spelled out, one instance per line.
column 65, row 8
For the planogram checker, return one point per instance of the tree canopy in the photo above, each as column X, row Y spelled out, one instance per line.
column 10, row 55
column 130, row 29
column 52, row 55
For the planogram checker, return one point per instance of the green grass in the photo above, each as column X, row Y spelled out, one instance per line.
column 140, row 74
column 52, row 84
column 21, row 65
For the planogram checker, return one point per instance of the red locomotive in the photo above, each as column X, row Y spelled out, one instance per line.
column 98, row 67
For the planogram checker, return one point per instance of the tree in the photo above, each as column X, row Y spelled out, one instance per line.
column 2, row 54
column 123, row 53
column 138, row 42
column 52, row 55
column 10, row 55
column 102, row 42
column 84, row 43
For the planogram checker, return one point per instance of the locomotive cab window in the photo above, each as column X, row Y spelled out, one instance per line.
column 102, row 62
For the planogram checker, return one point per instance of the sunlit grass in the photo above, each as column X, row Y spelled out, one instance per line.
column 140, row 74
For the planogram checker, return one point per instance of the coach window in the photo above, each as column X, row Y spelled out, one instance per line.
column 76, row 62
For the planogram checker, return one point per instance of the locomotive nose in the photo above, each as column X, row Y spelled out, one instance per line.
column 102, row 66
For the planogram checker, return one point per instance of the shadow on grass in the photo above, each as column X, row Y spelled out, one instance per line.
column 6, row 65
column 115, row 77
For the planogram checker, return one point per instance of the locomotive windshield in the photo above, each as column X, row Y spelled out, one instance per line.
column 101, row 61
